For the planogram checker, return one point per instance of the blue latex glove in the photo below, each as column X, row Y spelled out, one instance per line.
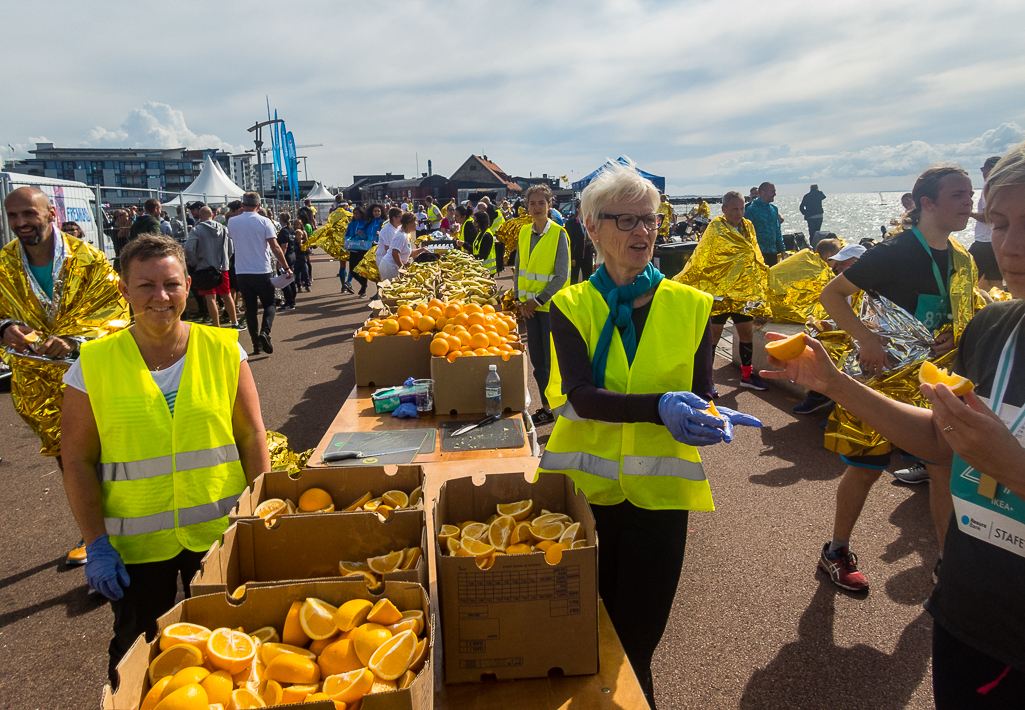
column 104, row 569
column 682, row 415
column 407, row 410
column 409, row 382
column 733, row 417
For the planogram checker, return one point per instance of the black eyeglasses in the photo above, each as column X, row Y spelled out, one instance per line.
column 627, row 222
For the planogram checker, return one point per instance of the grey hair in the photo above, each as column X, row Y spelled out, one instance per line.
column 732, row 195
column 1010, row 171
column 251, row 199
column 615, row 183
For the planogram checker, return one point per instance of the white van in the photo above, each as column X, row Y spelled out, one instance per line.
column 73, row 201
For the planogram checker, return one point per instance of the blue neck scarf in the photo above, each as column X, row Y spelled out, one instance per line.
column 621, row 306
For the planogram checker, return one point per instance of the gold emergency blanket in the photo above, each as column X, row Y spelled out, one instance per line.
column 666, row 210
column 331, row 237
column 849, row 436
column 282, row 458
column 704, row 210
column 728, row 264
column 85, row 304
column 367, row 267
column 509, row 232
column 795, row 285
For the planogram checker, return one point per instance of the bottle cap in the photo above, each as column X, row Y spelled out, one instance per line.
column 493, row 368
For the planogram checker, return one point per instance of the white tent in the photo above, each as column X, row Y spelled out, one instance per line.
column 320, row 194
column 212, row 186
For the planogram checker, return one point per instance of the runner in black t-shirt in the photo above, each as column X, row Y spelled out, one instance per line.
column 287, row 240
column 978, row 605
column 912, row 270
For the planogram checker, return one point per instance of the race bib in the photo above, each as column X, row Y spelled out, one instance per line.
column 933, row 311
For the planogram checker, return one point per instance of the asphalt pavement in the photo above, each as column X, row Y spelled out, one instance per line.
column 754, row 624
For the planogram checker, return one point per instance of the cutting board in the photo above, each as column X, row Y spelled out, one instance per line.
column 371, row 441
column 503, row 434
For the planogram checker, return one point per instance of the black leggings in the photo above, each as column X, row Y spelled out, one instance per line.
column 626, row 555
column 965, row 678
column 356, row 256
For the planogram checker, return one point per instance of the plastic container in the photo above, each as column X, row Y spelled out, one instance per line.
column 493, row 392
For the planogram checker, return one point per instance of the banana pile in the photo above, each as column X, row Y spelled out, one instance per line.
column 456, row 276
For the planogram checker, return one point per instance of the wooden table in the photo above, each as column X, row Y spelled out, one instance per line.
column 357, row 414
column 614, row 686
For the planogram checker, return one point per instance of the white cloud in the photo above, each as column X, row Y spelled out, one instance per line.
column 785, row 164
column 155, row 125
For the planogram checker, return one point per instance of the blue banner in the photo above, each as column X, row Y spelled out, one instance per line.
column 292, row 166
column 278, row 163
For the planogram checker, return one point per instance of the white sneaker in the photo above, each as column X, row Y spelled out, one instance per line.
column 915, row 473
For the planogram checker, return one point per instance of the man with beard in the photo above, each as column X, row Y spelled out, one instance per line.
column 55, row 293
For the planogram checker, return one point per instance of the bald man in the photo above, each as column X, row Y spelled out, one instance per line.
column 55, row 292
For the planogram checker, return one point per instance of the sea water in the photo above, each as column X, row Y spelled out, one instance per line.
column 853, row 216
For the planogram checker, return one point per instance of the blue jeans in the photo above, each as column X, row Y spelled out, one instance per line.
column 539, row 347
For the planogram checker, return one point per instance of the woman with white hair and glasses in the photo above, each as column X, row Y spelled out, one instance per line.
column 978, row 604
column 630, row 381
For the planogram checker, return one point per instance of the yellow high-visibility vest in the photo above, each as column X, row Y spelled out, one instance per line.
column 639, row 462
column 167, row 482
column 537, row 267
column 490, row 260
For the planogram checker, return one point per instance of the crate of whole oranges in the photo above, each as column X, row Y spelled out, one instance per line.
column 325, row 645
column 371, row 489
column 517, row 568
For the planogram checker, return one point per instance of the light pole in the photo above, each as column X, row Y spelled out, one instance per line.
column 259, row 148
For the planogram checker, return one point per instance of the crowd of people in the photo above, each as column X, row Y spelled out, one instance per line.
column 622, row 356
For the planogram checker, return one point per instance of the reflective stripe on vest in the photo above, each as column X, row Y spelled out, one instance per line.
column 640, row 462
column 537, row 267
column 163, row 465
column 167, row 481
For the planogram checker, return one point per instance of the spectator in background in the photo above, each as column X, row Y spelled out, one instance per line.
column 362, row 243
column 178, row 229
column 765, row 217
column 234, row 209
column 752, row 195
column 580, row 248
column 421, row 221
column 73, row 230
column 123, row 225
column 811, row 208
column 302, row 256
column 287, row 240
column 221, row 216
column 434, row 216
column 339, row 202
column 307, row 217
column 165, row 224
column 982, row 248
column 255, row 241
column 209, row 248
column 194, row 208
column 149, row 221
column 353, row 235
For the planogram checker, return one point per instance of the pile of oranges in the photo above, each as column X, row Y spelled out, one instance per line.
column 457, row 329
column 322, row 653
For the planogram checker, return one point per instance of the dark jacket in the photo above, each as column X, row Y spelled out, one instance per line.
column 145, row 224
column 811, row 205
column 580, row 247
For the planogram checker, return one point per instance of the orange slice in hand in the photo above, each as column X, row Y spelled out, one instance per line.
column 788, row 348
column 929, row 374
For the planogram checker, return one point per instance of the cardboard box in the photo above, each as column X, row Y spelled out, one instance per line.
column 343, row 487
column 522, row 617
column 268, row 606
column 459, row 385
column 301, row 547
column 388, row 360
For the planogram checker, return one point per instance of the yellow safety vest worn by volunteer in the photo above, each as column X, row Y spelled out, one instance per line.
column 489, row 260
column 434, row 216
column 167, row 482
column 537, row 267
column 639, row 462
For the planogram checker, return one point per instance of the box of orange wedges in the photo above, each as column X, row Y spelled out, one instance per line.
column 387, row 360
column 326, row 644
column 517, row 573
column 292, row 548
column 374, row 489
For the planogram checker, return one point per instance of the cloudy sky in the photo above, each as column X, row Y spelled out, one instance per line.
column 714, row 95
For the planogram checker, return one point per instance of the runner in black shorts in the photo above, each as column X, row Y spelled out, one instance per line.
column 913, row 270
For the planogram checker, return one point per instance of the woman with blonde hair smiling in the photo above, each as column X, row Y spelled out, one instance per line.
column 630, row 383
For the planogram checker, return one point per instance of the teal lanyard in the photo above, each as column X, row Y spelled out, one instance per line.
column 944, row 291
column 1003, row 379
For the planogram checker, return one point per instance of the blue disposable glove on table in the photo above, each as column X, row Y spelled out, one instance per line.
column 104, row 569
column 681, row 413
column 406, row 411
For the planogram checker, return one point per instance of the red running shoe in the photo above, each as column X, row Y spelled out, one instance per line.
column 842, row 568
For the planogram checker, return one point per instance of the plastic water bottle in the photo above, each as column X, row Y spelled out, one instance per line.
column 492, row 392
